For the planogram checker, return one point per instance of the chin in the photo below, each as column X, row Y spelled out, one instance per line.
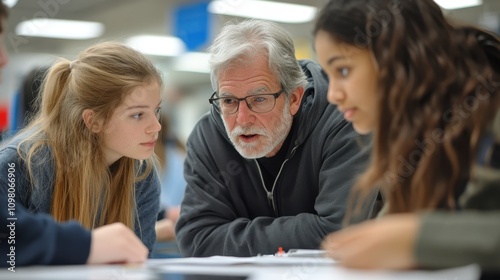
column 142, row 157
column 361, row 129
column 249, row 155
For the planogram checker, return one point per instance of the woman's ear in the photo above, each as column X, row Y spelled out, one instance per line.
column 88, row 118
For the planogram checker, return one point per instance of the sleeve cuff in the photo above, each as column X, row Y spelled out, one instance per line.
column 73, row 244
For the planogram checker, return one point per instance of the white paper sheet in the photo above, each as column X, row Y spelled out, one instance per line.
column 470, row 272
column 262, row 260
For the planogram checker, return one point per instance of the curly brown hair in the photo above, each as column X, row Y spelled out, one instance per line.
column 438, row 88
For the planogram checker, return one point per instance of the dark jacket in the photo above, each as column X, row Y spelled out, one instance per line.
column 227, row 209
column 28, row 238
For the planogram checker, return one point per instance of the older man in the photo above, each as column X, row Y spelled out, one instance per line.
column 272, row 164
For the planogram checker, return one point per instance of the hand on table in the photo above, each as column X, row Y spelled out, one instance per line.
column 116, row 243
column 386, row 243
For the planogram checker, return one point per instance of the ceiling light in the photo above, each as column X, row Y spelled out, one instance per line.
column 59, row 28
column 192, row 62
column 157, row 45
column 458, row 4
column 274, row 11
column 10, row 3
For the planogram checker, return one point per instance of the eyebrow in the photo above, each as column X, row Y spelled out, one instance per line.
column 261, row 90
column 331, row 60
column 141, row 106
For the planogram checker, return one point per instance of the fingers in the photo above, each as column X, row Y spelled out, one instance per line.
column 134, row 250
column 334, row 242
column 344, row 246
column 115, row 243
column 354, row 246
column 387, row 243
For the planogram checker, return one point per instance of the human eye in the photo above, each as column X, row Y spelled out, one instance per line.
column 343, row 71
column 137, row 116
column 157, row 112
column 227, row 101
column 259, row 99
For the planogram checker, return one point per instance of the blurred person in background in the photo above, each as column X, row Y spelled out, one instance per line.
column 25, row 104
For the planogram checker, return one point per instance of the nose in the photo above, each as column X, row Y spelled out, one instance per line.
column 154, row 127
column 244, row 114
column 335, row 95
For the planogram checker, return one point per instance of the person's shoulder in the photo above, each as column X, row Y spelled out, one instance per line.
column 15, row 140
column 147, row 182
column 208, row 128
column 9, row 147
column 312, row 70
column 332, row 117
column 308, row 63
column 205, row 121
column 333, row 125
column 8, row 155
column 205, row 118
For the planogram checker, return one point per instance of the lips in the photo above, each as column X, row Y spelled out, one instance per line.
column 150, row 143
column 348, row 113
column 248, row 137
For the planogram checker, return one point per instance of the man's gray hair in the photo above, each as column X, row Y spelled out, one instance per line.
column 239, row 43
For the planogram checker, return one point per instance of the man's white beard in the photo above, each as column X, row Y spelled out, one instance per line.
column 268, row 141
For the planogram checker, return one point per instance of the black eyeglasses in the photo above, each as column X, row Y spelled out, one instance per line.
column 258, row 103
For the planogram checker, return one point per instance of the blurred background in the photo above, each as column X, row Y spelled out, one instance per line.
column 173, row 33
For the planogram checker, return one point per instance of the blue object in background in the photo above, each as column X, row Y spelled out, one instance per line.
column 192, row 24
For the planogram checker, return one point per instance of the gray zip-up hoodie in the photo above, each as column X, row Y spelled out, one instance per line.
column 227, row 209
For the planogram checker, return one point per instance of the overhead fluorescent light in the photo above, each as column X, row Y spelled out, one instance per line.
column 157, row 45
column 458, row 4
column 10, row 3
column 60, row 28
column 192, row 62
column 274, row 11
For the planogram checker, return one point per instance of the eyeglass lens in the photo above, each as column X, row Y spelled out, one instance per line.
column 256, row 103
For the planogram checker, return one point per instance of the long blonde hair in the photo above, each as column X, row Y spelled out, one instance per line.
column 85, row 188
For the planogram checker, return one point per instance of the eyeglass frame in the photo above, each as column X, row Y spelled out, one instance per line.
column 211, row 100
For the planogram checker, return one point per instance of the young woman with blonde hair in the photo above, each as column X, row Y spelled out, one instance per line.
column 88, row 154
